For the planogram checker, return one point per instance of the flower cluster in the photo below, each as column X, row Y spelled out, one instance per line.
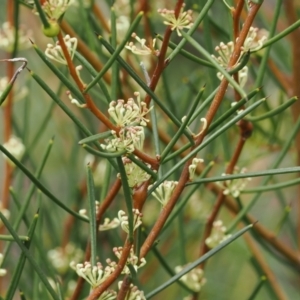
column 133, row 293
column 184, row 19
column 94, row 275
column 129, row 113
column 54, row 9
column 255, row 39
column 253, row 42
column 123, row 219
column 129, row 139
column 140, row 48
column 61, row 257
column 225, row 51
column 164, row 191
column 55, row 52
column 7, row 38
column 109, row 224
column 235, row 186
column 135, row 175
column 131, row 260
column 193, row 279
column 130, row 117
column 15, row 146
column 108, row 295
column 217, row 235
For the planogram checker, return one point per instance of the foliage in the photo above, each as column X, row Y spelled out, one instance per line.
column 142, row 141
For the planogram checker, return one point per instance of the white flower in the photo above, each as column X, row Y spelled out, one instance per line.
column 141, row 48
column 184, row 19
column 132, row 260
column 109, row 224
column 217, row 235
column 193, row 167
column 75, row 101
column 255, row 39
column 129, row 139
column 164, row 191
column 253, row 42
column 129, row 113
column 94, row 275
column 193, row 279
column 56, row 53
column 15, row 146
column 54, row 8
column 137, row 219
column 7, row 38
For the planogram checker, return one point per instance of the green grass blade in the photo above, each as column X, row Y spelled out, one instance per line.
column 92, row 214
column 30, row 258
column 19, row 269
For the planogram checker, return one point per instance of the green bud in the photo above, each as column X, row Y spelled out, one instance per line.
column 52, row 30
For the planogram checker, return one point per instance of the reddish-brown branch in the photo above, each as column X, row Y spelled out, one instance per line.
column 85, row 51
column 124, row 288
column 139, row 195
column 89, row 102
column 236, row 14
column 161, row 63
column 147, row 159
column 114, row 276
